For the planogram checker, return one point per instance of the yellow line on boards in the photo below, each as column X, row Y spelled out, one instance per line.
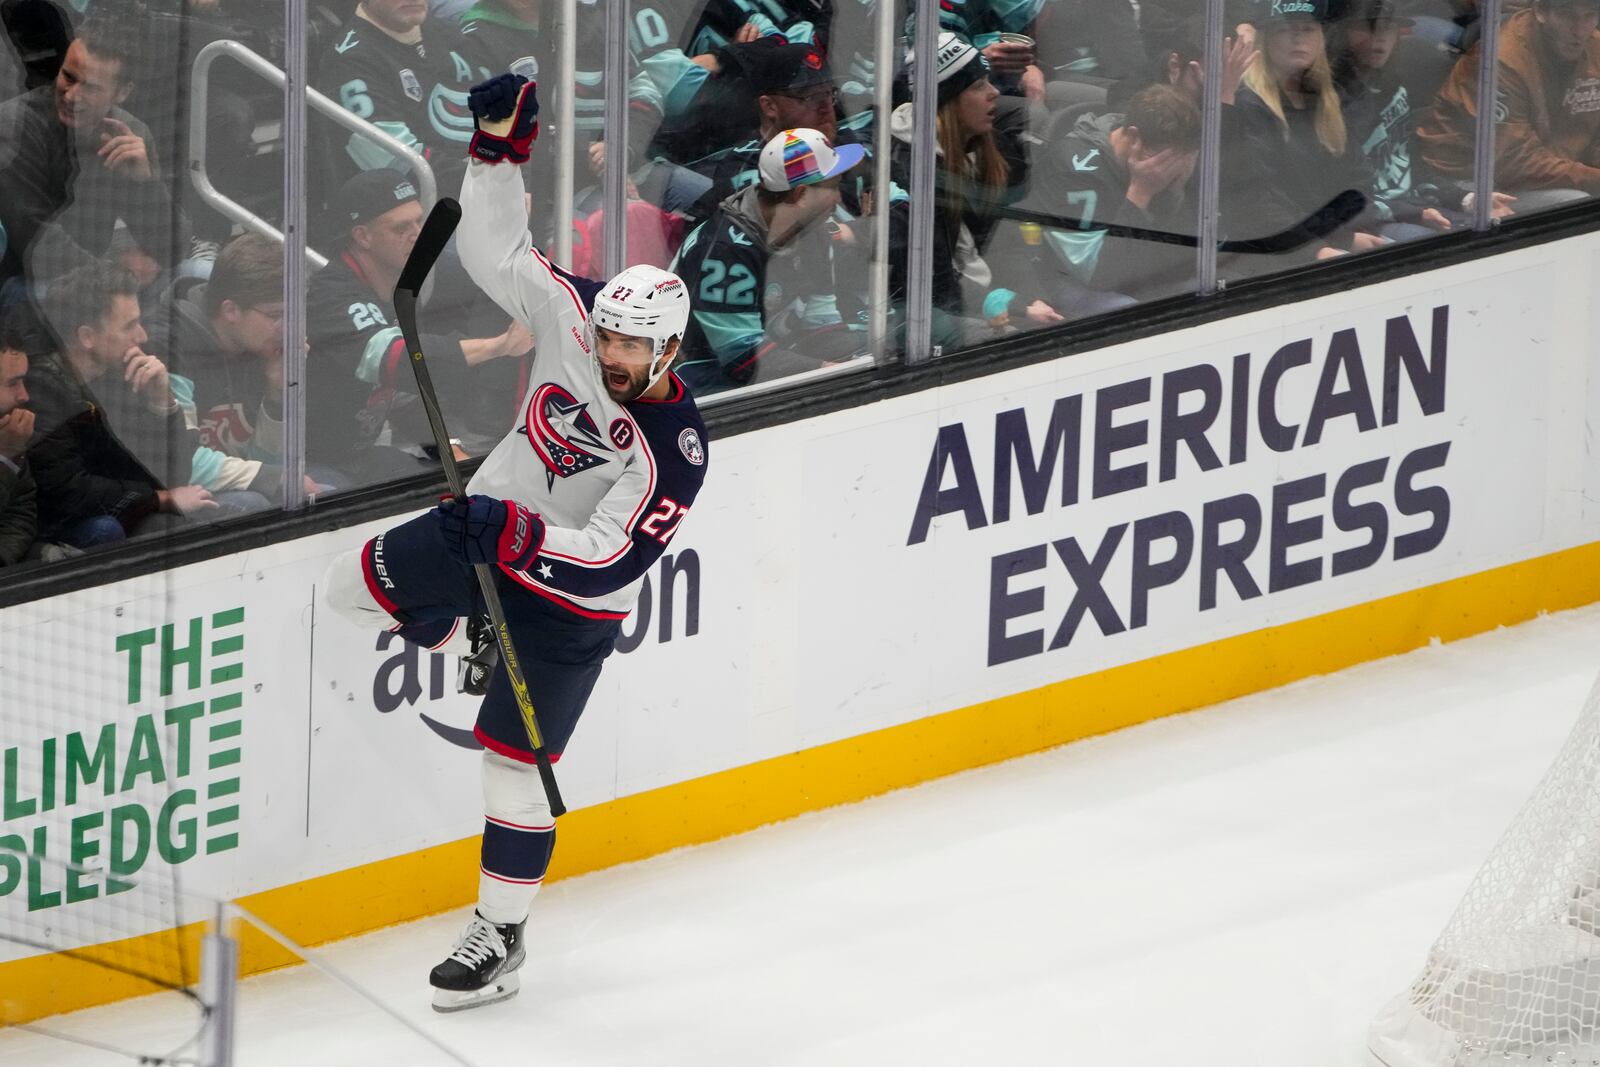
column 445, row 876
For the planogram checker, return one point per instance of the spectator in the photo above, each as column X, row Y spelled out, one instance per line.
column 1547, row 129
column 358, row 382
column 720, row 23
column 19, row 503
column 387, row 67
column 72, row 163
column 1088, row 43
column 1131, row 170
column 1379, row 116
column 789, row 86
column 1287, row 152
column 112, row 452
column 778, row 284
column 498, row 36
column 979, row 170
column 1177, row 58
column 227, row 340
column 991, row 27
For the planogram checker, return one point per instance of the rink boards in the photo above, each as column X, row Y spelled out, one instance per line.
column 859, row 601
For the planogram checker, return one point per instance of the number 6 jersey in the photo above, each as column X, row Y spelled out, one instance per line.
column 612, row 481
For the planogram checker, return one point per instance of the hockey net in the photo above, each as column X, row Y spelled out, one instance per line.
column 99, row 811
column 1515, row 976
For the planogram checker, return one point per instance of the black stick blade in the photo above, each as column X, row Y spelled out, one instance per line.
column 436, row 231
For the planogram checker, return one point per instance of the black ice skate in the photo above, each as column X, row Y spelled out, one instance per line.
column 482, row 969
column 477, row 667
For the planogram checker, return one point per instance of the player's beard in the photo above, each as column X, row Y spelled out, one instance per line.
column 623, row 384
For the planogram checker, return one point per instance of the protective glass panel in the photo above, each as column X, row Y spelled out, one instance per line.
column 755, row 157
column 1341, row 137
column 1547, row 118
column 1065, row 182
column 389, row 128
column 130, row 400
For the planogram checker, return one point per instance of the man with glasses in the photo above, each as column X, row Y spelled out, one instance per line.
column 1547, row 126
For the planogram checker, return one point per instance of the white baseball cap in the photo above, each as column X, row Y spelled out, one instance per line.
column 793, row 158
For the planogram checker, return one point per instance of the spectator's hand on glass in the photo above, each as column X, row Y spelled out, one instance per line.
column 1237, row 55
column 1042, row 314
column 147, row 376
column 1033, row 84
column 597, row 159
column 186, row 499
column 1435, row 218
column 16, row 430
column 123, row 151
column 747, row 33
column 1329, row 252
column 1009, row 57
column 1367, row 242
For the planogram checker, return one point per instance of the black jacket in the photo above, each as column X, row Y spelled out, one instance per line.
column 964, row 222
column 19, row 512
column 100, row 451
column 61, row 204
column 1272, row 182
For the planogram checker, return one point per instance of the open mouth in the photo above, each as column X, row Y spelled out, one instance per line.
column 616, row 380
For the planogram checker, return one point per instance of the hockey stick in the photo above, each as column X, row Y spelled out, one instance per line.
column 1331, row 216
column 436, row 231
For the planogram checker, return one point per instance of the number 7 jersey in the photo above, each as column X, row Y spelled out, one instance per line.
column 612, row 481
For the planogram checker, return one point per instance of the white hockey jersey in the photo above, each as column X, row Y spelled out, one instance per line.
column 612, row 481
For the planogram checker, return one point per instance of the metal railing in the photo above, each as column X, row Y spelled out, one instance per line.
column 199, row 99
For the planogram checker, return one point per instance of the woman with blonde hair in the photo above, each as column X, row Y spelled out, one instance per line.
column 1288, row 153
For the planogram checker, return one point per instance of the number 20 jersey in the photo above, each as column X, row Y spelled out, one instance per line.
column 612, row 481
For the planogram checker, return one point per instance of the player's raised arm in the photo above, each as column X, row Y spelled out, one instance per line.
column 493, row 238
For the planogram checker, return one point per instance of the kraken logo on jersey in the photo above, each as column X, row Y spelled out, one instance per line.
column 449, row 114
column 562, row 433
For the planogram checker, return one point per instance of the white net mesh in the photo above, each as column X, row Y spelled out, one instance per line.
column 1515, row 976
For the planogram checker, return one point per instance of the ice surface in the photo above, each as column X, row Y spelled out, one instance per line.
column 1244, row 885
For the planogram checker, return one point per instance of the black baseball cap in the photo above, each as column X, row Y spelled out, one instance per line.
column 372, row 193
column 1375, row 11
column 791, row 68
column 1265, row 11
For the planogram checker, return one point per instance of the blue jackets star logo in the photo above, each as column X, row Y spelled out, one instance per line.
column 563, row 433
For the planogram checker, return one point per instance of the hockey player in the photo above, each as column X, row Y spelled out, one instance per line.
column 571, row 508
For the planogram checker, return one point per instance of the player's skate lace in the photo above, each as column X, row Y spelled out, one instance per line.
column 478, row 942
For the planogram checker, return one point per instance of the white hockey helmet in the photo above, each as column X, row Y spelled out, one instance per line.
column 644, row 301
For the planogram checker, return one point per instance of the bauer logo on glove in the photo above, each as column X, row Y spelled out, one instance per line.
column 482, row 529
column 506, row 110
